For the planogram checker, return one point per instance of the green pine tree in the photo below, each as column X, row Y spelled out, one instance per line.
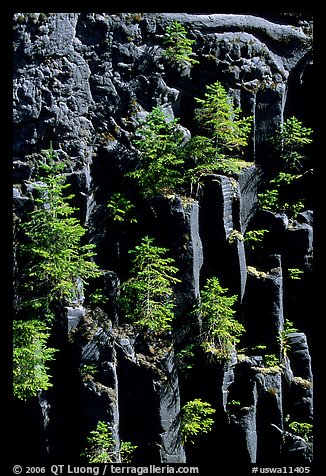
column 147, row 297
column 159, row 142
column 220, row 330
column 179, row 51
column 53, row 264
column 30, row 358
column 101, row 447
column 57, row 260
column 219, row 118
column 195, row 419
column 220, row 149
column 290, row 141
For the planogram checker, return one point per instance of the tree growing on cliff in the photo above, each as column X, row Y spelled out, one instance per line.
column 55, row 265
column 57, row 262
column 226, row 134
column 195, row 419
column 220, row 330
column 30, row 358
column 159, row 142
column 289, row 141
column 179, row 51
column 101, row 447
column 147, row 297
column 276, row 198
column 121, row 210
column 219, row 118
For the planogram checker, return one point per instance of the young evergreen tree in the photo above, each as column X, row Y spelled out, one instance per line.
column 121, row 210
column 290, row 141
column 179, row 51
column 220, row 330
column 159, row 142
column 54, row 264
column 57, row 260
column 30, row 358
column 226, row 134
column 195, row 419
column 101, row 447
column 147, row 297
column 219, row 118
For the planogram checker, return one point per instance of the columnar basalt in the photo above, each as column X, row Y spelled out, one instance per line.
column 81, row 83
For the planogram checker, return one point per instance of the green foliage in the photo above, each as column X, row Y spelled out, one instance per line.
column 271, row 360
column 281, row 181
column 259, row 347
column 159, row 144
column 179, row 51
column 289, row 327
column 290, row 141
column 292, row 209
column 168, row 162
column 218, row 116
column 127, row 451
column 87, row 371
column 304, row 430
column 97, row 297
column 121, row 209
column 147, row 297
column 30, row 358
column 254, row 239
column 195, row 419
column 55, row 267
column 284, row 178
column 234, row 403
column 185, row 357
column 225, row 136
column 57, row 260
column 283, row 336
column 235, row 236
column 101, row 447
column 295, row 273
column 204, row 159
column 270, row 200
column 220, row 330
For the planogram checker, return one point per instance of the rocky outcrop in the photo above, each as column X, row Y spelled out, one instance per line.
column 264, row 322
column 149, row 398
column 223, row 246
column 81, row 80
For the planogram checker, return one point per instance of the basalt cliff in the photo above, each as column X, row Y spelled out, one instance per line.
column 81, row 82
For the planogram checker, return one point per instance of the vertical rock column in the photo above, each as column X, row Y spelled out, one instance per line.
column 240, row 404
column 149, row 398
column 300, row 401
column 171, row 448
column 101, row 392
column 176, row 224
column 220, row 224
column 263, row 306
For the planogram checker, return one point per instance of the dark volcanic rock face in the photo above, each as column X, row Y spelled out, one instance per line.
column 80, row 78
column 81, row 82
